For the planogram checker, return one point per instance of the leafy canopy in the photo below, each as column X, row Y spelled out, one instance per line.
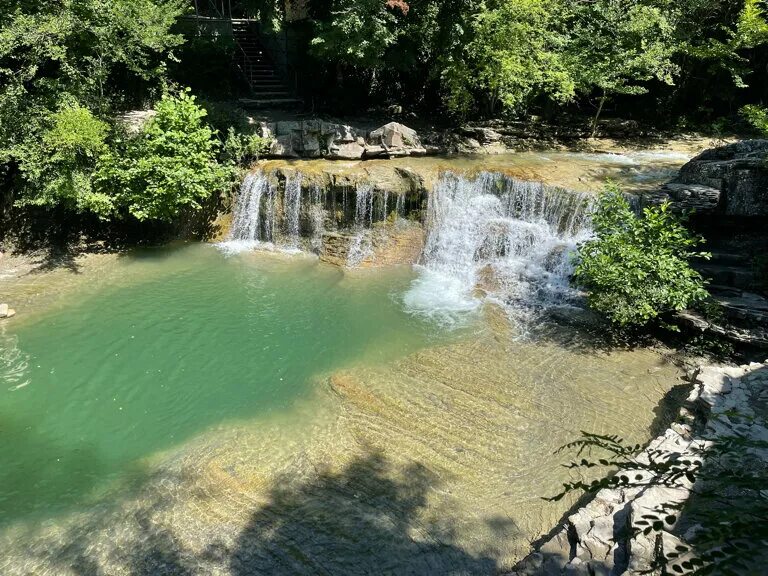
column 637, row 269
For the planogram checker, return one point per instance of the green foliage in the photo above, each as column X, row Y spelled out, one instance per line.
column 726, row 478
column 58, row 169
column 504, row 55
column 240, row 148
column 614, row 47
column 512, row 56
column 359, row 33
column 757, row 116
column 170, row 166
column 637, row 269
column 63, row 66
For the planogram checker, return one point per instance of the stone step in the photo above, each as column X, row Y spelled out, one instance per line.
column 271, row 102
column 735, row 276
column 729, row 258
column 271, row 85
column 271, row 95
column 261, row 89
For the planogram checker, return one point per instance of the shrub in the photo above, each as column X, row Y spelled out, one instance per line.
column 757, row 116
column 169, row 166
column 637, row 269
column 58, row 167
column 240, row 148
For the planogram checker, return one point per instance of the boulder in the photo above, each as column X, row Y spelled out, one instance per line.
column 345, row 151
column 738, row 171
column 397, row 140
column 696, row 197
column 6, row 311
column 283, row 146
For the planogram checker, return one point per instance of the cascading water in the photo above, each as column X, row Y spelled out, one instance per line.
column 509, row 238
column 360, row 247
column 317, row 216
column 245, row 225
column 292, row 208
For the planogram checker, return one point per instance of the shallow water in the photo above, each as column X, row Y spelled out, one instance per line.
column 180, row 340
column 264, row 414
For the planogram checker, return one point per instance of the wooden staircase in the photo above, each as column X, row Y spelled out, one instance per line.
column 268, row 88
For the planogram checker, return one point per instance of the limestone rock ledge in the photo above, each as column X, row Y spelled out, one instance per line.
column 598, row 538
column 728, row 180
column 318, row 138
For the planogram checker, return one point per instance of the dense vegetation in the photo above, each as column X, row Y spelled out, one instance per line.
column 69, row 68
column 521, row 56
column 637, row 269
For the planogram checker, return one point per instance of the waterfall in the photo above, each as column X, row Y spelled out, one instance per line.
column 360, row 246
column 245, row 225
column 400, row 206
column 317, row 216
column 507, row 238
column 292, row 208
column 272, row 212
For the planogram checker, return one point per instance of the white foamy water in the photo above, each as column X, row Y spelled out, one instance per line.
column 501, row 237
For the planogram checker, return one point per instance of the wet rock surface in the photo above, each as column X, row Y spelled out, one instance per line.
column 730, row 180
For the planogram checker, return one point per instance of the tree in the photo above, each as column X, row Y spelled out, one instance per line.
column 358, row 32
column 757, row 116
column 510, row 54
column 169, row 166
column 637, row 269
column 97, row 53
column 614, row 46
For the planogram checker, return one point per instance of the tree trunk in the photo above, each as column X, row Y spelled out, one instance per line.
column 597, row 116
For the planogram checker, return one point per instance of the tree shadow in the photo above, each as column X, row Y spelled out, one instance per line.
column 362, row 519
column 356, row 521
column 42, row 474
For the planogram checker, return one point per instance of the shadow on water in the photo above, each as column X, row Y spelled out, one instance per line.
column 47, row 475
column 359, row 521
column 363, row 519
column 41, row 466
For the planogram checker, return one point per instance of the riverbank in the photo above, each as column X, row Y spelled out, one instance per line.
column 607, row 535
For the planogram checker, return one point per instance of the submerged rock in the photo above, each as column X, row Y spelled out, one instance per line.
column 6, row 311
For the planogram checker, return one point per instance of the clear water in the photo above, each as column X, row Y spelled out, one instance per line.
column 178, row 341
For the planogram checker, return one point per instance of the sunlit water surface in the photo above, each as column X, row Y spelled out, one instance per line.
column 191, row 411
column 180, row 340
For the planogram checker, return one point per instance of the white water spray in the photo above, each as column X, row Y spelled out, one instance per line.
column 361, row 246
column 508, row 239
column 292, row 208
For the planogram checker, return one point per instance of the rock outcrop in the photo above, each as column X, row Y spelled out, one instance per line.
column 320, row 139
column 729, row 180
column 603, row 537
column 6, row 311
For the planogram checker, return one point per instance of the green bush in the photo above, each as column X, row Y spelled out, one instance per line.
column 637, row 269
column 169, row 166
column 757, row 116
column 57, row 169
column 240, row 148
